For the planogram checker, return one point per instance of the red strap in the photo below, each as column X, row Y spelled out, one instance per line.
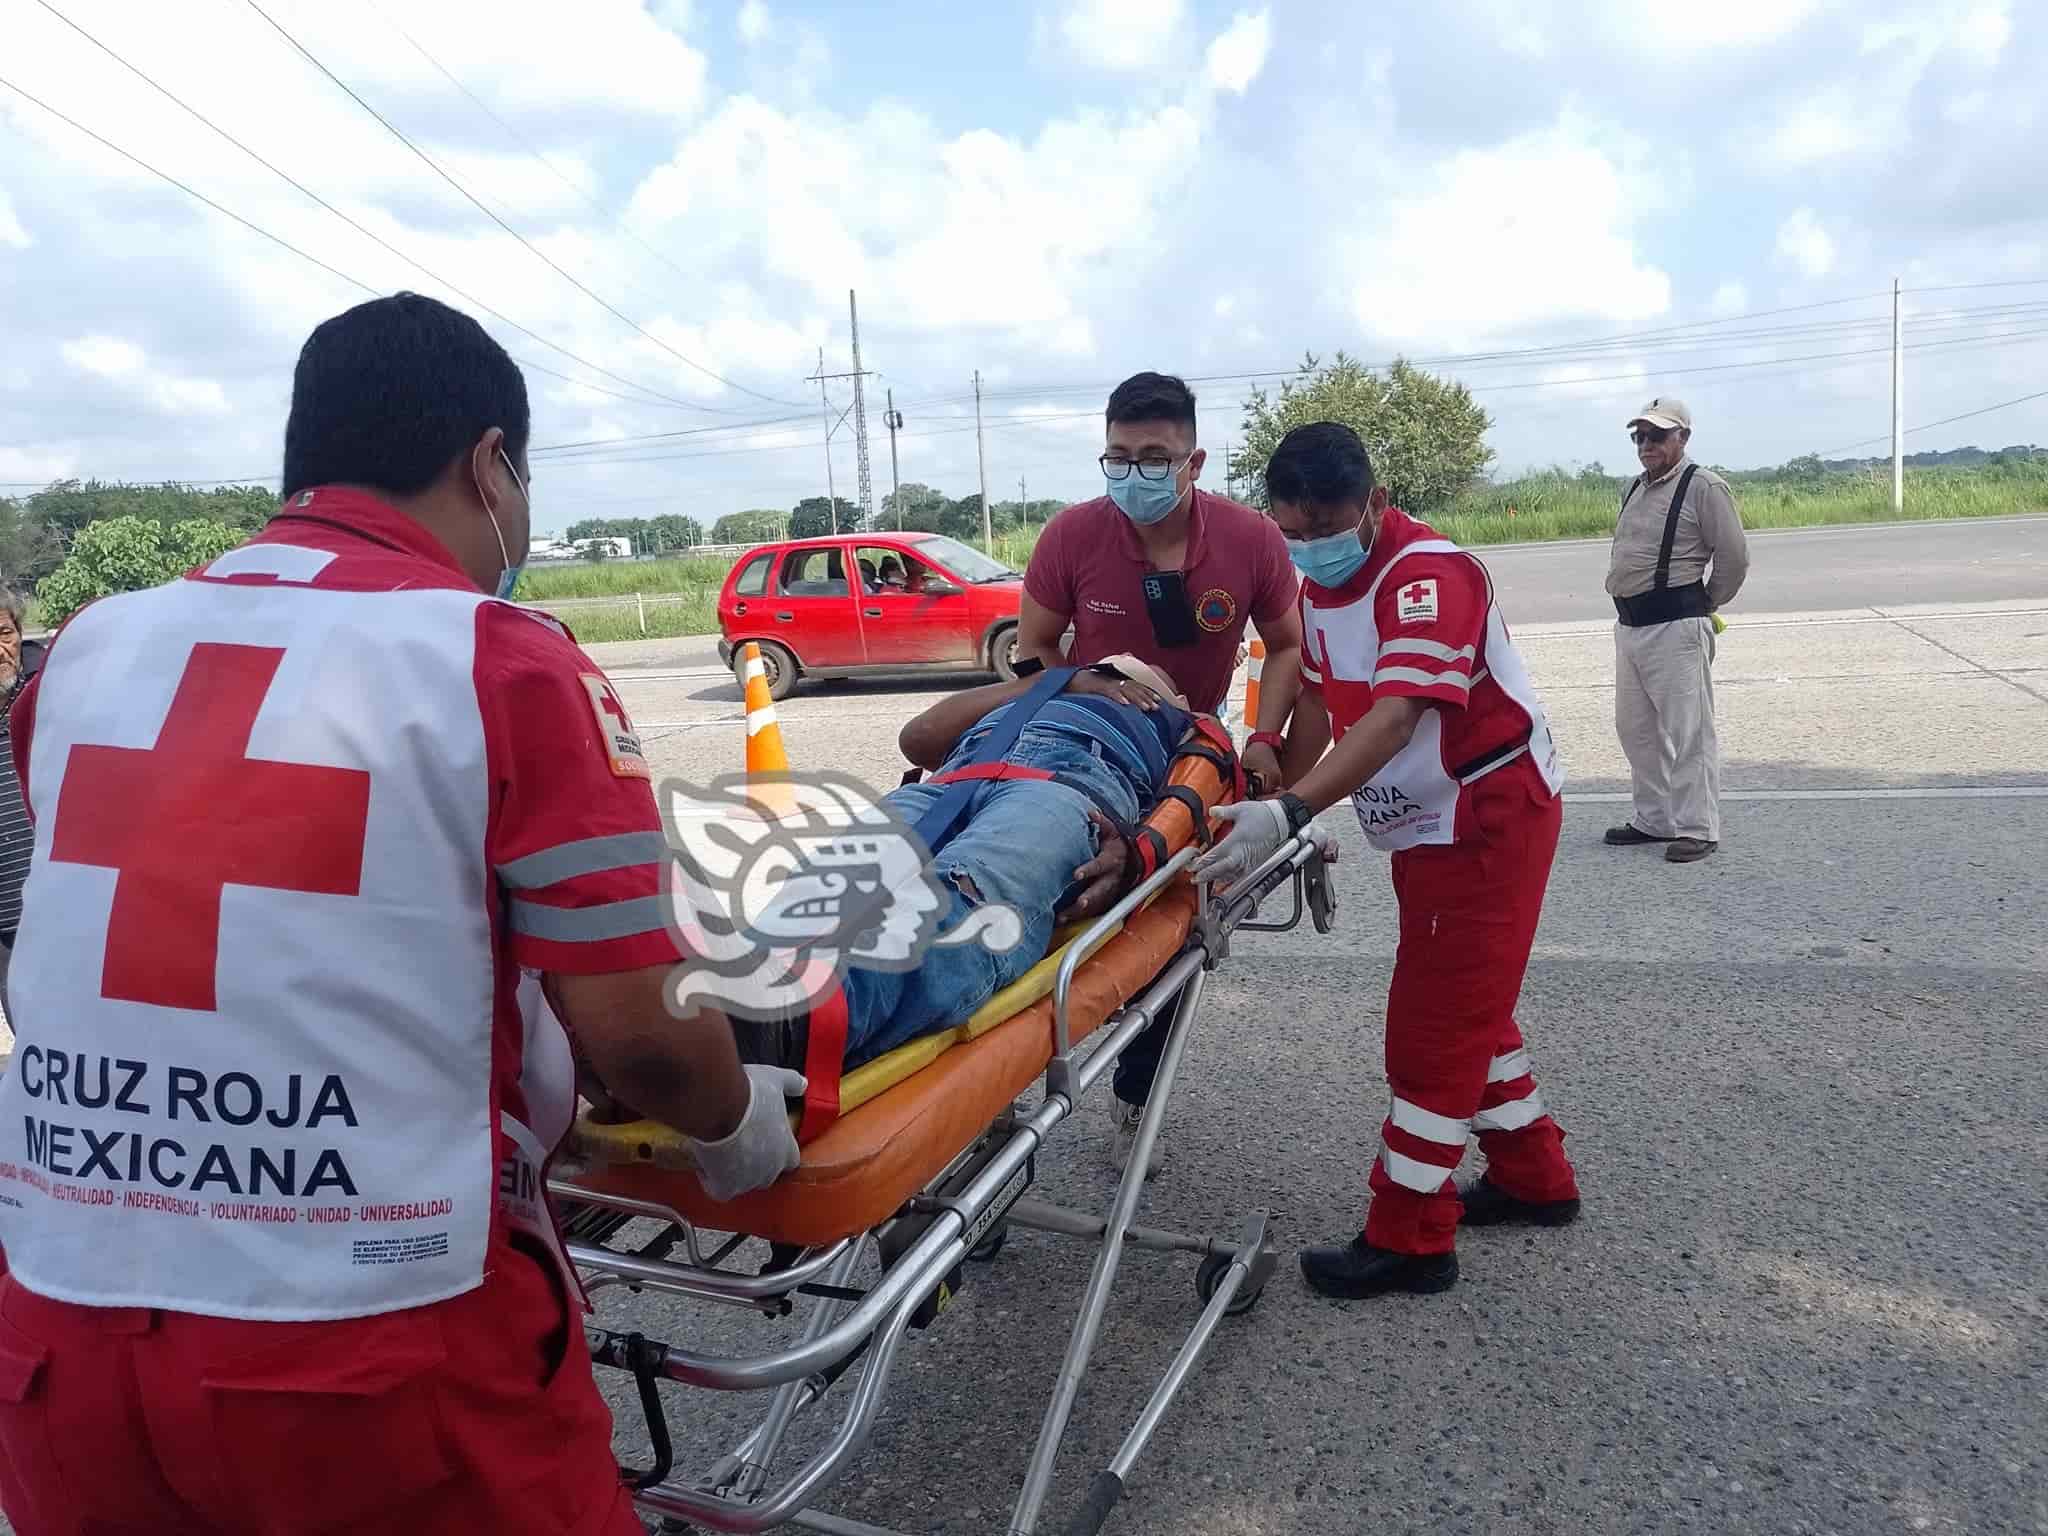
column 989, row 771
column 824, row 1059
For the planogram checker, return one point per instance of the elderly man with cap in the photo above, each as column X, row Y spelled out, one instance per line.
column 1677, row 520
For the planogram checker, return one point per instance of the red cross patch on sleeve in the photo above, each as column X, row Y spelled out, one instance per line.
column 1415, row 603
column 614, row 730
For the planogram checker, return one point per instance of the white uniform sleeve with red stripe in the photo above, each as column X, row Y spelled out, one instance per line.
column 1431, row 616
column 575, row 835
column 1311, row 643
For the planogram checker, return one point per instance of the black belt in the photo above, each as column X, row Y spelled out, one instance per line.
column 1664, row 605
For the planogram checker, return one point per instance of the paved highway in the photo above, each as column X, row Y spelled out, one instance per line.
column 1803, row 1082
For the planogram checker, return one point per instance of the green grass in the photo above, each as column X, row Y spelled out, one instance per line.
column 681, row 596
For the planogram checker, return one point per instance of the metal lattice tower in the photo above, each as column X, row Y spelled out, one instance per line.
column 860, row 421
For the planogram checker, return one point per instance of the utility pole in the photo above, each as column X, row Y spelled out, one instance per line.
column 1023, row 506
column 819, row 378
column 860, row 419
column 892, row 419
column 825, row 404
column 988, row 538
column 1898, row 407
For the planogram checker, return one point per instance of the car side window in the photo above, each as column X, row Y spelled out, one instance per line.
column 814, row 573
column 753, row 580
column 893, row 571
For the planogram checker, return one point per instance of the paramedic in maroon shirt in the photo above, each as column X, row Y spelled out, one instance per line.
column 1162, row 570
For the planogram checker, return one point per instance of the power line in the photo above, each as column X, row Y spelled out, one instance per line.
column 471, row 197
column 533, row 150
column 2039, row 394
column 194, row 112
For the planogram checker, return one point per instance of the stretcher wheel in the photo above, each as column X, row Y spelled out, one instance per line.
column 1210, row 1276
column 986, row 1250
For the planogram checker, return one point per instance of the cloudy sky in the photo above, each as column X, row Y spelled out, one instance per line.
column 1570, row 204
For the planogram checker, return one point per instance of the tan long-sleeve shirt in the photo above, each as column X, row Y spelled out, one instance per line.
column 1709, row 532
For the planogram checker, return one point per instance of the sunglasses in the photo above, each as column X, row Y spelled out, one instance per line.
column 1656, row 435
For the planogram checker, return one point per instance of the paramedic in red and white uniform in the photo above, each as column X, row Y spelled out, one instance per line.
column 318, row 827
column 1442, row 746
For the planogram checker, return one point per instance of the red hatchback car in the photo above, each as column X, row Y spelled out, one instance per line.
column 854, row 604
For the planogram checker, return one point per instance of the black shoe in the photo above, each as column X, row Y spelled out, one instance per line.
column 1685, row 850
column 1358, row 1270
column 1628, row 835
column 1488, row 1205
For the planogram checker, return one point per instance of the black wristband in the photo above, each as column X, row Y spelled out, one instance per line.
column 1298, row 813
column 1027, row 666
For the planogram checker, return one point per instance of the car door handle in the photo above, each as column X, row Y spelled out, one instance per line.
column 871, row 613
column 785, row 618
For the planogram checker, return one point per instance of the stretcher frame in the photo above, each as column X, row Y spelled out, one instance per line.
column 964, row 1213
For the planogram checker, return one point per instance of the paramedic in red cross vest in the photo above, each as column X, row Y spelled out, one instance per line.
column 1442, row 746
column 330, row 843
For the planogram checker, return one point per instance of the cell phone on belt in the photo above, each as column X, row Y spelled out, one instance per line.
column 1167, row 606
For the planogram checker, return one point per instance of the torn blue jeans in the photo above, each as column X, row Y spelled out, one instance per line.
column 1019, row 843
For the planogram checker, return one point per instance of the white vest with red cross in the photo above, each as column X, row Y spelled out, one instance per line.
column 1414, row 800
column 268, row 1055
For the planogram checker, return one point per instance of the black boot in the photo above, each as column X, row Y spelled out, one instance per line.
column 1488, row 1205
column 1358, row 1270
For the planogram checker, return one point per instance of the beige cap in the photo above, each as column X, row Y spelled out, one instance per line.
column 1664, row 411
column 1142, row 672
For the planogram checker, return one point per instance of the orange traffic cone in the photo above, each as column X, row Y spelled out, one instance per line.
column 1253, row 668
column 766, row 758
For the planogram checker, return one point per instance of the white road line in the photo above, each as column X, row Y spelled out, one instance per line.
column 1958, row 792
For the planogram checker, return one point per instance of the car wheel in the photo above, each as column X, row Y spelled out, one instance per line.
column 778, row 668
column 1002, row 651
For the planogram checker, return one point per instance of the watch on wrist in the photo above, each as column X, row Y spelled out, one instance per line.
column 1298, row 813
column 1271, row 739
column 1028, row 666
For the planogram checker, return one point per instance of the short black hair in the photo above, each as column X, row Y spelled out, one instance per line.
column 1322, row 465
column 388, row 394
column 1151, row 397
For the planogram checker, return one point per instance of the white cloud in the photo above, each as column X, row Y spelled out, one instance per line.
column 1121, row 34
column 1805, row 244
column 109, row 357
column 1985, row 32
column 1731, row 298
column 1533, row 231
column 11, row 232
column 1238, row 54
column 1835, row 122
column 754, row 23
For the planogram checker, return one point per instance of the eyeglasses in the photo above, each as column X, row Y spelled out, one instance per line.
column 1148, row 469
column 1642, row 435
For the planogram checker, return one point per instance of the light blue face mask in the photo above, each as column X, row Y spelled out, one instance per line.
column 508, row 579
column 1331, row 560
column 1143, row 501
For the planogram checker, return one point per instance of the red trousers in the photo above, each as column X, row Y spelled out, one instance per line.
column 1455, row 1058
column 444, row 1419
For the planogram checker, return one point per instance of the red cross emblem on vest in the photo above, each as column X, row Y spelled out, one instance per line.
column 181, row 821
column 1416, row 593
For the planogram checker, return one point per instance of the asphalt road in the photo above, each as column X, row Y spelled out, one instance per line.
column 1803, row 1083
column 1801, row 569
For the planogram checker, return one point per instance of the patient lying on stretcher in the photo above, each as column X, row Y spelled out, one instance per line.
column 1046, row 843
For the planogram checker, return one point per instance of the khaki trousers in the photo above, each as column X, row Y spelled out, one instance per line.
column 1664, row 714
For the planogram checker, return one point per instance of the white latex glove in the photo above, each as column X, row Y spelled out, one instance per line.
column 1326, row 843
column 1257, row 827
column 763, row 1147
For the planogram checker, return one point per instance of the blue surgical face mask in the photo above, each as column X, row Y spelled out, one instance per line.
column 1331, row 560
column 1143, row 501
column 508, row 579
